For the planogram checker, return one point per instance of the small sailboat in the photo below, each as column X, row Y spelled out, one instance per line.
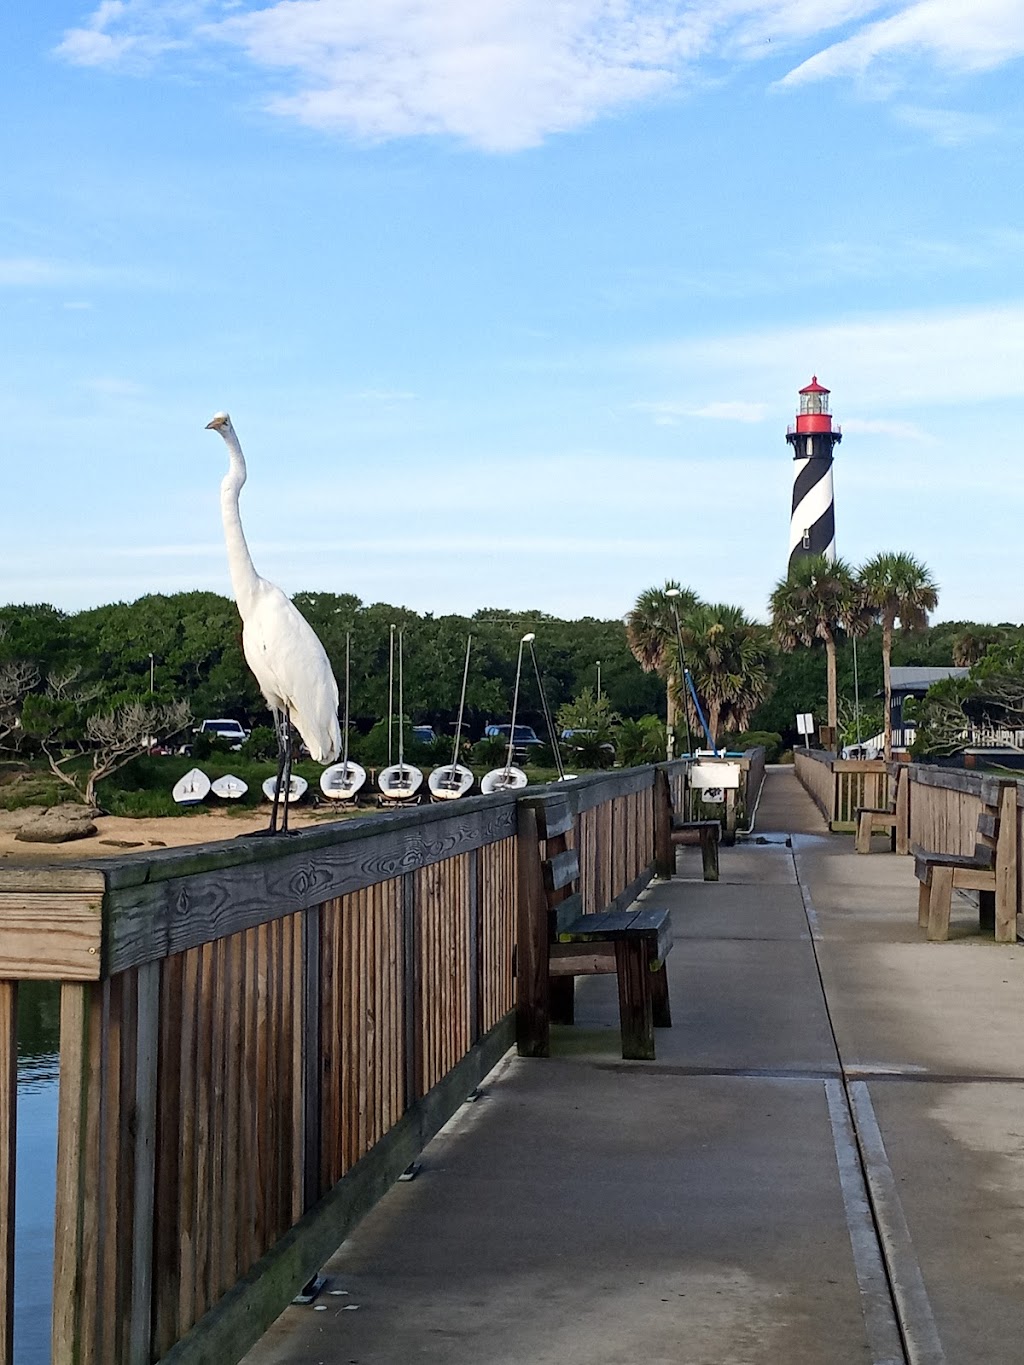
column 399, row 781
column 192, row 788
column 563, row 776
column 343, row 781
column 229, row 787
column 454, row 779
column 296, row 788
column 509, row 778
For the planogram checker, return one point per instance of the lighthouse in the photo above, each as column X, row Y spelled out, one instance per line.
column 812, row 526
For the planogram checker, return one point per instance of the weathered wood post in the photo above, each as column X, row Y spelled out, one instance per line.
column 664, row 849
column 533, row 1014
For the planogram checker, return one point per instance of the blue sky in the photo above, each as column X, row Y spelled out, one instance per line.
column 510, row 300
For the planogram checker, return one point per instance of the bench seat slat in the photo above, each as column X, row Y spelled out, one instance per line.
column 617, row 924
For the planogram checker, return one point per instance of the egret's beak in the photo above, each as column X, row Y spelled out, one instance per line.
column 212, row 426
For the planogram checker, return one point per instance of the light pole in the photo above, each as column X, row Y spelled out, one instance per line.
column 151, row 672
column 599, row 679
column 672, row 594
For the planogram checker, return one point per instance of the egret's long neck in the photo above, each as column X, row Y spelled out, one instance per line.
column 243, row 575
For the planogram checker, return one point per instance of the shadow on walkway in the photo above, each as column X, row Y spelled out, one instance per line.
column 712, row 1207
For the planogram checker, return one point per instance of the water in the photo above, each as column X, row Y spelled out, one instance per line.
column 38, row 1040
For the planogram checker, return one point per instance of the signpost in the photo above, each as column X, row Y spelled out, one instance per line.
column 805, row 726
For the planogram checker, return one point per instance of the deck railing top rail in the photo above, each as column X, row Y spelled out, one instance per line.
column 90, row 920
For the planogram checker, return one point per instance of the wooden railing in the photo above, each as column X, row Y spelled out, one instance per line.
column 937, row 809
column 257, row 1037
column 839, row 785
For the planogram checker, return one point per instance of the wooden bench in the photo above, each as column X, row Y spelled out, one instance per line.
column 991, row 870
column 558, row 942
column 893, row 817
column 709, row 832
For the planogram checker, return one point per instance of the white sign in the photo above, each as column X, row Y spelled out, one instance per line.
column 715, row 775
column 805, row 723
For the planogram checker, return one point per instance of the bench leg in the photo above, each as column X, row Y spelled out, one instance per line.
column 923, row 895
column 660, row 1007
column 636, row 1013
column 940, row 902
column 709, row 854
column 562, row 999
column 863, row 844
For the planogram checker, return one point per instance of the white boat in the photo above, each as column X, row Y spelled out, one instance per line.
column 192, row 788
column 503, row 780
column 229, row 787
column 450, row 782
column 342, row 781
column 296, row 788
column 509, row 778
column 454, row 779
column 400, row 782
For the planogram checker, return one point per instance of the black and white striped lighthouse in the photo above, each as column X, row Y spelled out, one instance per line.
column 812, row 526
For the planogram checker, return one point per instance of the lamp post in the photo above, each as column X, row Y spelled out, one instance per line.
column 599, row 679
column 151, row 672
column 672, row 594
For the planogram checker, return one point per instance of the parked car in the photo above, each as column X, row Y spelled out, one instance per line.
column 423, row 734
column 223, row 728
column 523, row 741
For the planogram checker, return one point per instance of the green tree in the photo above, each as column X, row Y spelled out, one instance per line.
column 818, row 600
column 727, row 656
column 651, row 634
column 896, row 587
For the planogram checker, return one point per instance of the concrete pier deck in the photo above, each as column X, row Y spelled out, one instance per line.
column 825, row 1164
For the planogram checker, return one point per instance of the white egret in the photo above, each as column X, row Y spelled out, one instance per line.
column 280, row 646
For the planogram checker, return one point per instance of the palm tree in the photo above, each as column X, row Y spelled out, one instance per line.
column 897, row 587
column 819, row 599
column 651, row 634
column 727, row 657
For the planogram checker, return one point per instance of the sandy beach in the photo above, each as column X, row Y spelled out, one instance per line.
column 118, row 836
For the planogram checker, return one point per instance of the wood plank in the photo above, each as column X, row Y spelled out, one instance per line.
column 1006, row 869
column 51, row 936
column 555, row 814
column 561, row 870
column 636, row 1014
column 167, row 1209
column 242, row 1316
column 238, row 886
column 532, row 1007
column 8, row 1161
column 72, row 1332
column 143, row 1131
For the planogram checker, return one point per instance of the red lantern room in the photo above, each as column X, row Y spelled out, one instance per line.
column 814, row 415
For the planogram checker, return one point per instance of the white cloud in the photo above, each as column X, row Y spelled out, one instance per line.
column 959, row 35
column 504, row 74
column 892, row 360
column 670, row 414
column 947, row 127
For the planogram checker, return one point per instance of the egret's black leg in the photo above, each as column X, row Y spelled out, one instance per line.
column 286, row 785
column 281, row 756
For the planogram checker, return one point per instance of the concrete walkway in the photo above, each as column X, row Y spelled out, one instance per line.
column 825, row 1164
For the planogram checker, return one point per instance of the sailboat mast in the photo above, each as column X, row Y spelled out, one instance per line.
column 401, row 713
column 515, row 706
column 552, row 736
column 462, row 706
column 391, row 696
column 348, row 676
